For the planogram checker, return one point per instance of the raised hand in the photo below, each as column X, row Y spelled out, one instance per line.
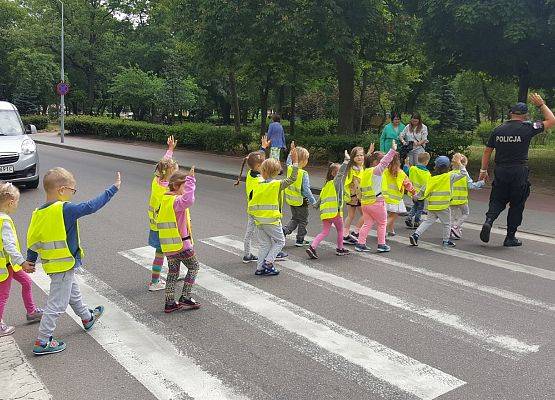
column 394, row 145
column 117, row 182
column 371, row 148
column 172, row 143
column 536, row 99
column 347, row 156
column 192, row 171
column 264, row 142
column 293, row 152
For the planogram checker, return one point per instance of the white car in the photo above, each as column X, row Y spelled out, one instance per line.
column 19, row 160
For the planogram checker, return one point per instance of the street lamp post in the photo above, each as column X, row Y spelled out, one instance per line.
column 62, row 79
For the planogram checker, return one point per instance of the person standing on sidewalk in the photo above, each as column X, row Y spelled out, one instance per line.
column 276, row 137
column 511, row 142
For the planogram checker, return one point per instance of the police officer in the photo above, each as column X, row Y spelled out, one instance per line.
column 510, row 185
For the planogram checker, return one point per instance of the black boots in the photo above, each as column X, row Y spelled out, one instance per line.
column 511, row 240
column 486, row 229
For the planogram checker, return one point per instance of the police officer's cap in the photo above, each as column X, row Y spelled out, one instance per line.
column 519, row 109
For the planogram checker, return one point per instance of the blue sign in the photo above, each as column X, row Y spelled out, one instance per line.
column 62, row 88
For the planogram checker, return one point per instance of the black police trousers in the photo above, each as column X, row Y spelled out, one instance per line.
column 510, row 186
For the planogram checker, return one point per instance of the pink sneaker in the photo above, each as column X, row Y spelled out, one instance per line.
column 6, row 330
column 35, row 315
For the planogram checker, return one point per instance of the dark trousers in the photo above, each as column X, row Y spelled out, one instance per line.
column 510, row 186
column 416, row 211
column 299, row 221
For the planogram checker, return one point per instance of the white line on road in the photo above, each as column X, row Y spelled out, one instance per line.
column 157, row 364
column 522, row 235
column 451, row 320
column 397, row 369
column 19, row 378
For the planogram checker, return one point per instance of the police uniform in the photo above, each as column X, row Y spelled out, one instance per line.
column 510, row 185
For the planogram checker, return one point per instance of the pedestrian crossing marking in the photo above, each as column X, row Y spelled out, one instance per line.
column 521, row 235
column 19, row 378
column 388, row 365
column 157, row 364
column 492, row 340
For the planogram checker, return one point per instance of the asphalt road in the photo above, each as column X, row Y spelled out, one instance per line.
column 475, row 322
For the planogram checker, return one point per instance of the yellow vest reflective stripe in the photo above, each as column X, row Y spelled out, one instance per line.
column 166, row 224
column 438, row 192
column 4, row 257
column 392, row 186
column 264, row 205
column 293, row 193
column 366, row 189
column 460, row 190
column 329, row 206
column 348, row 180
column 47, row 236
column 251, row 183
column 418, row 177
column 156, row 193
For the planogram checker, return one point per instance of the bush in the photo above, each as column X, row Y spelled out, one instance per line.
column 330, row 148
column 484, row 130
column 317, row 127
column 448, row 142
column 40, row 121
column 198, row 136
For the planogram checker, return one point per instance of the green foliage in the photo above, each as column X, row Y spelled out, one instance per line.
column 331, row 148
column 484, row 130
column 449, row 113
column 317, row 127
column 448, row 142
column 40, row 121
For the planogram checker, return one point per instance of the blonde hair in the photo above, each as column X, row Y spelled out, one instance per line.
column 57, row 177
column 270, row 168
column 8, row 191
column 253, row 160
column 176, row 180
column 164, row 166
column 302, row 154
column 424, row 158
column 395, row 165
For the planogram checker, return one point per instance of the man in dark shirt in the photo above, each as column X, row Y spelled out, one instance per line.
column 510, row 185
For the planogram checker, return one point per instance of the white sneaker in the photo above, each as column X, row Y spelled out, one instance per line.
column 6, row 330
column 153, row 287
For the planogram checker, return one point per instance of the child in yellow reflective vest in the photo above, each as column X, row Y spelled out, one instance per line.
column 352, row 181
column 265, row 207
column 159, row 185
column 176, row 238
column 418, row 175
column 394, row 185
column 12, row 263
column 459, row 202
column 438, row 192
column 331, row 207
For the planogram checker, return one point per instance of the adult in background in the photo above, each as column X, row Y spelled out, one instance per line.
column 417, row 133
column 510, row 184
column 391, row 132
column 276, row 137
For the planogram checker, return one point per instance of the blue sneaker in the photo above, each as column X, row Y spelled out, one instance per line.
column 268, row 270
column 50, row 347
column 383, row 248
column 96, row 314
column 362, row 248
column 282, row 256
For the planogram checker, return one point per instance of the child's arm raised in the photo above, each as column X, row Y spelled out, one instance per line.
column 172, row 143
column 295, row 161
column 386, row 160
column 187, row 199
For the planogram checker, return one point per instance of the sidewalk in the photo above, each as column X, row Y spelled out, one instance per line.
column 539, row 216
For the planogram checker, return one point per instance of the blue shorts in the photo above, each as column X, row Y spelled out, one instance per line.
column 154, row 240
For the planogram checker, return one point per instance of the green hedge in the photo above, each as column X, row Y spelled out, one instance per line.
column 448, row 142
column 40, row 121
column 192, row 135
column 484, row 130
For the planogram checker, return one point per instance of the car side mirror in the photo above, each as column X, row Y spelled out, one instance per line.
column 30, row 129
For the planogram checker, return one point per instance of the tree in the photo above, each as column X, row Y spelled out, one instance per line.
column 506, row 39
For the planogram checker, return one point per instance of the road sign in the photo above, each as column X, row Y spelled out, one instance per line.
column 62, row 88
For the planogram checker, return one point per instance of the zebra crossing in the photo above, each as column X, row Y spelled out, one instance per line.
column 378, row 369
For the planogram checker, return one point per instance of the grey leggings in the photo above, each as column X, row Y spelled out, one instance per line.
column 444, row 216
column 249, row 235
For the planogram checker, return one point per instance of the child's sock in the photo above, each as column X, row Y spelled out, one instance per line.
column 157, row 267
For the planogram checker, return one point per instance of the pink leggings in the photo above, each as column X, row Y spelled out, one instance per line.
column 26, row 292
column 337, row 221
column 373, row 213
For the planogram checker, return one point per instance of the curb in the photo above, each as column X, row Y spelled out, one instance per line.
column 217, row 174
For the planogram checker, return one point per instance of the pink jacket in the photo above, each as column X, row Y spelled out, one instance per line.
column 180, row 206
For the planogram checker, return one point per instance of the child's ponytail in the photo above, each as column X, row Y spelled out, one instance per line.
column 241, row 173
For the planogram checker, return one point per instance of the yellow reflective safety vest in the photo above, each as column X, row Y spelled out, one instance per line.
column 392, row 186
column 265, row 203
column 353, row 173
column 293, row 193
column 419, row 177
column 166, row 224
column 438, row 192
column 48, row 237
column 460, row 190
column 4, row 257
column 156, row 193
column 368, row 196
column 251, row 183
column 329, row 204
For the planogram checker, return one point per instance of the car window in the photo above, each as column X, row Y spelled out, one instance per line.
column 10, row 124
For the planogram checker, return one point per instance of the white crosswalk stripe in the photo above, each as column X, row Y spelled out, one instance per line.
column 492, row 340
column 158, row 364
column 386, row 364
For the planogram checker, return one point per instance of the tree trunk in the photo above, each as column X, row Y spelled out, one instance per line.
column 292, row 110
column 492, row 112
column 523, row 83
column 264, row 90
column 281, row 99
column 226, row 113
column 345, row 80
column 235, row 102
column 363, row 87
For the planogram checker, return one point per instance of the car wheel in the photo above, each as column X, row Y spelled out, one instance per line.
column 33, row 184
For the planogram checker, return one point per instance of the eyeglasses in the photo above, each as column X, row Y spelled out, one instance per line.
column 73, row 190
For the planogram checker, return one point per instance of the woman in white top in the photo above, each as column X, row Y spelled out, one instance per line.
column 417, row 133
